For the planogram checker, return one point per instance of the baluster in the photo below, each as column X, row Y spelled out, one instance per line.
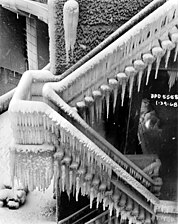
column 81, row 107
column 97, row 96
column 113, row 83
column 158, row 53
column 167, row 45
column 131, row 73
column 148, row 59
column 89, row 102
column 106, row 90
column 139, row 65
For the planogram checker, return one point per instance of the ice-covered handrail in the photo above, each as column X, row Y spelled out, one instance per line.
column 65, row 110
column 51, row 119
column 31, row 7
column 5, row 100
column 139, row 40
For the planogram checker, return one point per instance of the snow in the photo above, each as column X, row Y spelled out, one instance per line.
column 39, row 207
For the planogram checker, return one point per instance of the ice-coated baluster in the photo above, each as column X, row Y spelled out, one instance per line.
column 131, row 73
column 77, row 187
column 106, row 90
column 89, row 102
column 63, row 177
column 139, row 65
column 173, row 75
column 158, row 53
column 91, row 197
column 167, row 45
column 174, row 39
column 147, row 218
column 81, row 107
column 113, row 83
column 97, row 96
column 111, row 207
column 148, row 59
column 122, row 80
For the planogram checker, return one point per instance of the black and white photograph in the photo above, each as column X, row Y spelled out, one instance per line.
column 88, row 111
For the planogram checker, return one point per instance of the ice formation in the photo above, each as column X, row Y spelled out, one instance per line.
column 131, row 73
column 106, row 90
column 70, row 21
column 122, row 80
column 148, row 60
column 97, row 95
column 32, row 169
column 113, row 83
column 174, row 38
column 173, row 76
column 139, row 66
column 168, row 46
column 158, row 53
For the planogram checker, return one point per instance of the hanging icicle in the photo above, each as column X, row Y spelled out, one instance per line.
column 122, row 80
column 148, row 60
column 167, row 45
column 97, row 95
column 106, row 90
column 70, row 21
column 174, row 38
column 81, row 107
column 89, row 102
column 114, row 86
column 173, row 76
column 139, row 66
column 131, row 73
column 158, row 53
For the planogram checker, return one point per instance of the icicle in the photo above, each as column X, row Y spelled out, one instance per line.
column 70, row 22
column 89, row 101
column 98, row 104
column 77, row 188
column 174, row 38
column 111, row 206
column 130, row 72
column 122, row 80
column 158, row 52
column 106, row 90
column 148, row 60
column 139, row 66
column 63, row 177
column 173, row 76
column 114, row 86
column 81, row 107
column 91, row 196
column 167, row 45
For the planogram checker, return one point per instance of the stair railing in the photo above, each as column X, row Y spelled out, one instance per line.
column 148, row 41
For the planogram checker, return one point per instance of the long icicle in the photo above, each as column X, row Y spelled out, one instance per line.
column 122, row 81
column 130, row 72
column 167, row 45
column 174, row 39
column 114, row 86
column 148, row 59
column 139, row 66
column 106, row 90
column 158, row 52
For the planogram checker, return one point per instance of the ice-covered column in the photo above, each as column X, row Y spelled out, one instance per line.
column 122, row 80
column 31, row 33
column 53, row 34
column 148, row 60
column 139, row 66
column 70, row 22
column 158, row 53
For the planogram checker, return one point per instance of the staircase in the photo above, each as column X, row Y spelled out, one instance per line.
column 57, row 116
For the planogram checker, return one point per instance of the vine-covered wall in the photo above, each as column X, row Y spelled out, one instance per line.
column 97, row 20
